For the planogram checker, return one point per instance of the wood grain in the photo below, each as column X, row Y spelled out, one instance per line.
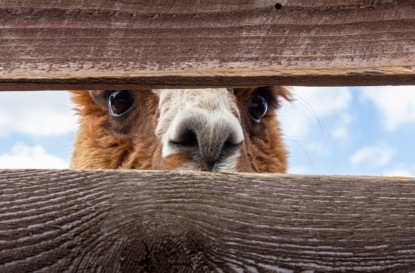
column 166, row 43
column 127, row 221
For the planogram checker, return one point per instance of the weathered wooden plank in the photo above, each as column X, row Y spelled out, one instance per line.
column 167, row 43
column 126, row 221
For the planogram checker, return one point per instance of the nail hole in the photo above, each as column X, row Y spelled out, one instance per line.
column 278, row 6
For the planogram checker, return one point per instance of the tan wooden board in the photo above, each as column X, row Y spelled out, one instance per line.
column 99, row 44
column 129, row 221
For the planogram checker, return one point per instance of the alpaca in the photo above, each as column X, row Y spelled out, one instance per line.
column 217, row 130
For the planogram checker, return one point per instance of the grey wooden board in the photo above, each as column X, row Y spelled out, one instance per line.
column 100, row 44
column 131, row 221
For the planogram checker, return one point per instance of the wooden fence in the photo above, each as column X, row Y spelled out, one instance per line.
column 125, row 221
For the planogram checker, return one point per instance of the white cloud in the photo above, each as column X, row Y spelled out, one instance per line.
column 295, row 121
column 312, row 104
column 400, row 169
column 23, row 156
column 36, row 113
column 373, row 156
column 324, row 100
column 299, row 170
column 398, row 172
column 396, row 104
column 340, row 130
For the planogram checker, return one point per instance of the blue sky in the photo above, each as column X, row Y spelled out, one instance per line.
column 342, row 130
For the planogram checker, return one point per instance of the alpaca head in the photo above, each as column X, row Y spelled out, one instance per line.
column 225, row 130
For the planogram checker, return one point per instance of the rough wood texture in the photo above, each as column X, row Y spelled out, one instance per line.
column 109, row 221
column 121, row 44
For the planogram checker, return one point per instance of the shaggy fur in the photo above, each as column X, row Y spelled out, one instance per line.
column 104, row 142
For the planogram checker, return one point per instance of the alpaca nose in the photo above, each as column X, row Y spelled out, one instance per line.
column 211, row 139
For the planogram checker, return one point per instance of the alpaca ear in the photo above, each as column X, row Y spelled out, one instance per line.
column 284, row 92
column 88, row 102
column 98, row 96
column 80, row 97
column 88, row 97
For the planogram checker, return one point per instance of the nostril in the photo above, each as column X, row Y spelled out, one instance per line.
column 232, row 140
column 211, row 159
column 230, row 146
column 185, row 138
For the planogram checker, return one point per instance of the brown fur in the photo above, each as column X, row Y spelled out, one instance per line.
column 105, row 143
column 265, row 149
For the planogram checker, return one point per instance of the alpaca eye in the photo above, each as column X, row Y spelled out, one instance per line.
column 258, row 108
column 119, row 102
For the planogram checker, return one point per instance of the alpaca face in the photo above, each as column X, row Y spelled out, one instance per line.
column 223, row 130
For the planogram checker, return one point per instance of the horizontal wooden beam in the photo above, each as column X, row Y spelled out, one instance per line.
column 166, row 43
column 128, row 221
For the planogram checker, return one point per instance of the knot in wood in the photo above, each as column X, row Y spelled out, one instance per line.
column 164, row 253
